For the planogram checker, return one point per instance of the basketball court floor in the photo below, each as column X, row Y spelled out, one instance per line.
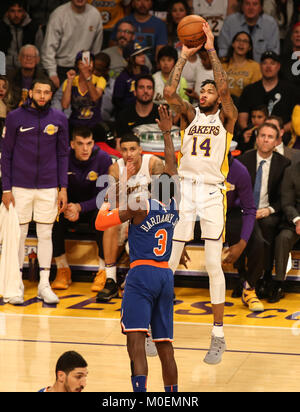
column 263, row 349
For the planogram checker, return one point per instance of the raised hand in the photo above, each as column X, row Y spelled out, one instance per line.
column 164, row 122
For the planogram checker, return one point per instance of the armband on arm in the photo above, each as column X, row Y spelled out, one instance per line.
column 107, row 218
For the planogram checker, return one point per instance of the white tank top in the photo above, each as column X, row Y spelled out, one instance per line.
column 204, row 149
column 214, row 13
column 140, row 181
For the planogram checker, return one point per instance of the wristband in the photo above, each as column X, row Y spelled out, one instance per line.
column 166, row 131
column 210, row 50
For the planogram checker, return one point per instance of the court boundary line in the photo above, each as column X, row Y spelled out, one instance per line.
column 124, row 345
column 175, row 322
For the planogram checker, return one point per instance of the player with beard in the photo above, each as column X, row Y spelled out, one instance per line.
column 203, row 168
column 71, row 373
column 144, row 111
column 34, row 166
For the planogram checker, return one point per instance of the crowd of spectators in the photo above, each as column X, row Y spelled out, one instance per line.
column 109, row 63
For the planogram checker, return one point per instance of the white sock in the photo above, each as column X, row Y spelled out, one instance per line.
column 61, row 261
column 101, row 264
column 111, row 272
column 44, row 277
column 218, row 331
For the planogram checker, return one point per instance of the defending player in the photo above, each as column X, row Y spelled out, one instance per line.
column 203, row 167
column 148, row 296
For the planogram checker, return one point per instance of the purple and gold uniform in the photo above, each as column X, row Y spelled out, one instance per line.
column 148, row 297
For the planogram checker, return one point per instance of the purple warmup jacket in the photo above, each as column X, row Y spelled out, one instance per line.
column 241, row 196
column 35, row 149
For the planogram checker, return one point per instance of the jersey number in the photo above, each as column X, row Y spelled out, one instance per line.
column 162, row 237
column 205, row 146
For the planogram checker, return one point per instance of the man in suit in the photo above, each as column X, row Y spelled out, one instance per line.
column 266, row 169
column 290, row 227
column 292, row 154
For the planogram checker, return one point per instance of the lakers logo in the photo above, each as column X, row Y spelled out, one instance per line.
column 92, row 176
column 51, row 129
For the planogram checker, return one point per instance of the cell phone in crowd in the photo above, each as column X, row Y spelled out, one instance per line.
column 86, row 57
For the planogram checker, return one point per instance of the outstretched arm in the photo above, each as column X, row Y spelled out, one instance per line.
column 165, row 124
column 175, row 102
column 229, row 111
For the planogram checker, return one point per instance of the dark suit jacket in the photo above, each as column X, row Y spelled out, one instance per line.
column 277, row 167
column 290, row 194
column 292, row 154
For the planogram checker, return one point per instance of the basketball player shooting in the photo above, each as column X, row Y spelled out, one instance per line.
column 203, row 168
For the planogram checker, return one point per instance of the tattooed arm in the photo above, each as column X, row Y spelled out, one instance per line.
column 229, row 112
column 176, row 103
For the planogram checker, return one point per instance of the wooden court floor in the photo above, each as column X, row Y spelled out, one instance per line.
column 263, row 350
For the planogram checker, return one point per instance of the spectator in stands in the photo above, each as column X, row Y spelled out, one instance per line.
column 215, row 13
column 34, row 165
column 177, row 10
column 111, row 11
column 144, row 111
column 142, row 168
column 16, row 30
column 292, row 154
column 21, row 79
column 125, row 34
column 285, row 12
column 239, row 65
column 289, row 229
column 278, row 95
column 150, row 30
column 123, row 94
column 167, row 58
column 243, row 234
column 64, row 39
column 40, row 10
column 83, row 92
column 290, row 61
column 247, row 138
column 266, row 169
column 262, row 28
column 87, row 162
column 70, row 373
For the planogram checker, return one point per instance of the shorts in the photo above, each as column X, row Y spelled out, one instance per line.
column 148, row 300
column 39, row 205
column 208, row 203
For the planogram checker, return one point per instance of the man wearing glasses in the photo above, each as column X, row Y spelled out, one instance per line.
column 125, row 34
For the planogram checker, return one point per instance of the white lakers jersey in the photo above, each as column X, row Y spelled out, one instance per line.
column 214, row 13
column 139, row 182
column 204, row 149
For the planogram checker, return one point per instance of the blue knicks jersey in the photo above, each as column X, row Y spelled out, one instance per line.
column 152, row 239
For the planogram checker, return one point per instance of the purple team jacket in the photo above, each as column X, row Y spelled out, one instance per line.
column 35, row 149
column 241, row 196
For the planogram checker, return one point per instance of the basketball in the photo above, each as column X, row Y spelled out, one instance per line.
column 190, row 31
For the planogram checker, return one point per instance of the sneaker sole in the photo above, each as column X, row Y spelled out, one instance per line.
column 216, row 361
column 49, row 303
column 108, row 298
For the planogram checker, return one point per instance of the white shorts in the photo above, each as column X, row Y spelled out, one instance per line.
column 39, row 205
column 203, row 201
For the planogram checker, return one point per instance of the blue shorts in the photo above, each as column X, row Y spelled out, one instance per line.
column 148, row 300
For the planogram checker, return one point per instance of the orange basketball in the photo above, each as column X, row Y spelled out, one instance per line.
column 190, row 31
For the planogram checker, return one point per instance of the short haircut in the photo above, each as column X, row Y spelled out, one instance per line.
column 261, row 108
column 43, row 80
column 130, row 137
column 208, row 81
column 271, row 125
column 105, row 58
column 20, row 3
column 168, row 51
column 278, row 118
column 69, row 361
column 147, row 77
column 27, row 46
column 81, row 131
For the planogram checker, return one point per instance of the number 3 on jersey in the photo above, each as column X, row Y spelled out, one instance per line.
column 162, row 237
